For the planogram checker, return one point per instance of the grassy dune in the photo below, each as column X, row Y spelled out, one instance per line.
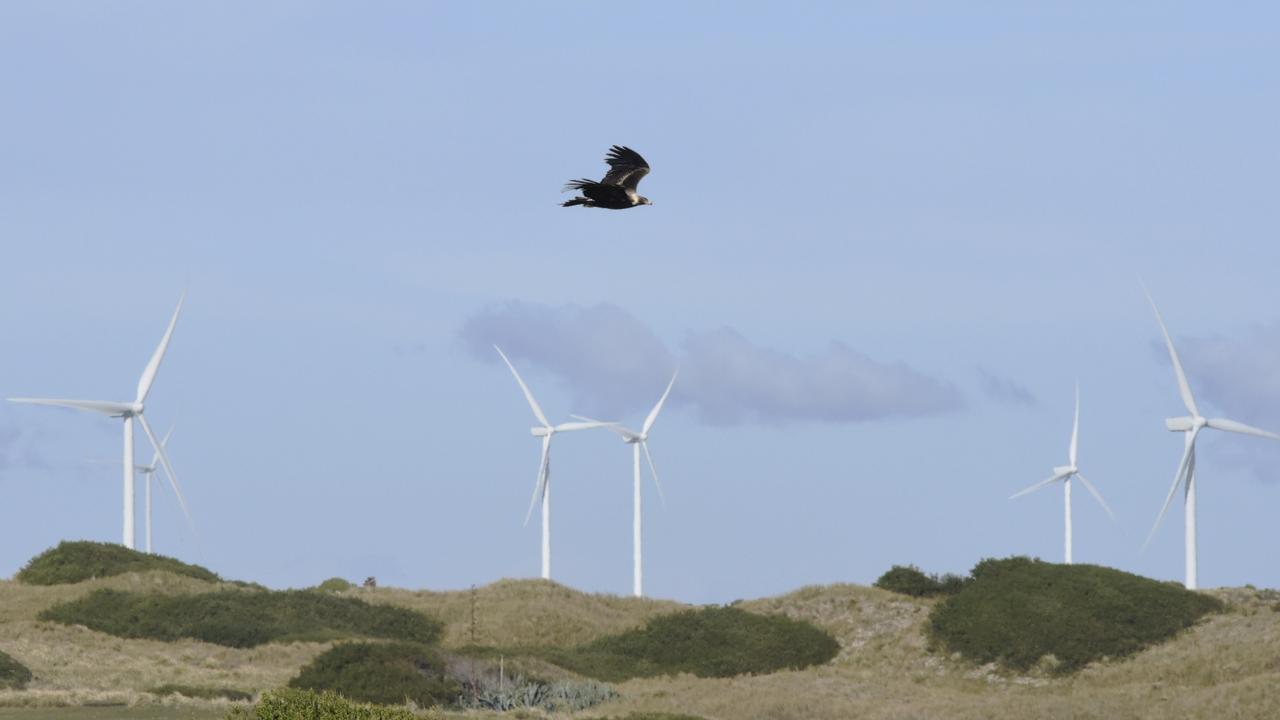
column 1226, row 666
column 523, row 612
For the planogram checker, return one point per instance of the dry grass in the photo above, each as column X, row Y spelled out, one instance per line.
column 1225, row 667
column 76, row 666
column 523, row 612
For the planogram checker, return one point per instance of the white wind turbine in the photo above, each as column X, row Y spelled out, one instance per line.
column 128, row 411
column 148, row 473
column 543, row 487
column 638, row 441
column 1064, row 473
column 1190, row 426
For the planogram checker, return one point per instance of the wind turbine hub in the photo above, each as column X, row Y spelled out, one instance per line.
column 542, row 431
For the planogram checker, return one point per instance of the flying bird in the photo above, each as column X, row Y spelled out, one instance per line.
column 617, row 191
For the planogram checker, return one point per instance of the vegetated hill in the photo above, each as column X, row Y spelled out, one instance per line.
column 522, row 612
column 242, row 618
column 1017, row 611
column 874, row 627
column 707, row 642
column 884, row 669
column 77, row 561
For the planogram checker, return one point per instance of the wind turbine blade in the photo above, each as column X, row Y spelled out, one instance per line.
column 1236, row 427
column 653, row 414
column 542, row 477
column 168, row 470
column 654, row 471
column 565, row 427
column 164, row 442
column 98, row 406
column 1042, row 483
column 1075, row 428
column 1184, row 388
column 537, row 411
column 624, row 432
column 1096, row 495
column 1173, row 489
column 153, row 366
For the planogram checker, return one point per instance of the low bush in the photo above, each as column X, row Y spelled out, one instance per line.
column 334, row 584
column 204, row 693
column 1017, row 611
column 384, row 673
column 242, row 618
column 13, row 674
column 293, row 704
column 707, row 642
column 73, row 562
column 910, row 580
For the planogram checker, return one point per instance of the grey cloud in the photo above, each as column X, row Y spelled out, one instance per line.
column 1004, row 390
column 608, row 359
column 1239, row 377
column 732, row 381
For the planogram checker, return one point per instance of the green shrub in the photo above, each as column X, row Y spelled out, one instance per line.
column 1018, row 610
column 13, row 674
column 292, row 704
column 334, row 585
column 708, row 642
column 383, row 673
column 909, row 580
column 242, row 618
column 204, row 693
column 73, row 562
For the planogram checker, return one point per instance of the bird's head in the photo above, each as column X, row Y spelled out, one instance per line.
column 645, row 201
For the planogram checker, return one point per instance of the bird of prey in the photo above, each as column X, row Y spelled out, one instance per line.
column 617, row 191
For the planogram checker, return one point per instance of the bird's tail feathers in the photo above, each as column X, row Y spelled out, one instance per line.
column 578, row 184
column 574, row 201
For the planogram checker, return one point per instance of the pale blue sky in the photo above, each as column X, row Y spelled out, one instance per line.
column 886, row 240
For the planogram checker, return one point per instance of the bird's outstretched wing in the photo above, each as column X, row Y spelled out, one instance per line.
column 611, row 196
column 626, row 167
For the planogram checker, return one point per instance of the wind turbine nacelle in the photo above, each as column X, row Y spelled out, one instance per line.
column 1063, row 470
column 541, row 431
column 1180, row 424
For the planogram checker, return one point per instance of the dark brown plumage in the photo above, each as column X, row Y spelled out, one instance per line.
column 617, row 190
